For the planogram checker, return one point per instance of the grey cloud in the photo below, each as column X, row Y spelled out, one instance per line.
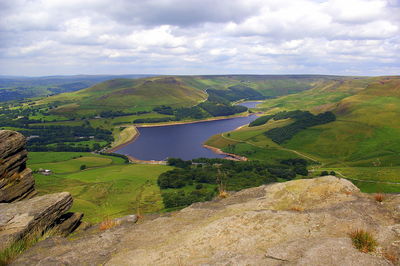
column 181, row 13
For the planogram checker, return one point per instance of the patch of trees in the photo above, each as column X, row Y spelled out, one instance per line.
column 325, row 173
column 194, row 112
column 297, row 114
column 297, row 165
column 112, row 114
column 180, row 198
column 58, row 134
column 45, row 135
column 59, row 147
column 163, row 109
column 261, row 120
column 216, row 109
column 207, row 109
column 233, row 175
column 178, row 162
column 304, row 119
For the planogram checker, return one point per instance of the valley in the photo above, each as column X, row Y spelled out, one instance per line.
column 360, row 144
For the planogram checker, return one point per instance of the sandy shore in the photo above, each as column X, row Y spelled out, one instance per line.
column 229, row 156
column 135, row 160
column 193, row 122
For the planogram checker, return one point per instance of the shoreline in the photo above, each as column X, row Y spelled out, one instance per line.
column 135, row 160
column 192, row 122
column 132, row 139
column 246, row 101
column 229, row 156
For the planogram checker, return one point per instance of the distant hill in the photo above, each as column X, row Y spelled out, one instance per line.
column 18, row 88
column 128, row 95
column 146, row 93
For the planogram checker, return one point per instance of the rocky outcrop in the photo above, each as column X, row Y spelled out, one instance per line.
column 16, row 181
column 33, row 216
column 67, row 223
column 302, row 222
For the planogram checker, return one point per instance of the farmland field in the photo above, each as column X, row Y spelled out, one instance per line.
column 107, row 188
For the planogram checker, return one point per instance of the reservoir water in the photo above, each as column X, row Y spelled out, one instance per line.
column 250, row 104
column 180, row 141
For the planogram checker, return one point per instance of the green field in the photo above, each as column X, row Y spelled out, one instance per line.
column 107, row 188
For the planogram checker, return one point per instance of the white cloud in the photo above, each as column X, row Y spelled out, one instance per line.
column 159, row 36
column 356, row 11
column 42, row 37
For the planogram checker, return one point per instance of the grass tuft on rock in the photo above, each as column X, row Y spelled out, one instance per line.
column 108, row 224
column 363, row 240
column 379, row 197
column 8, row 254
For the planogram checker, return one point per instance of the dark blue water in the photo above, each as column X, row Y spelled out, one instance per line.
column 180, row 141
column 250, row 104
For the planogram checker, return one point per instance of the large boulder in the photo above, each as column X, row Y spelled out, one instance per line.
column 302, row 222
column 16, row 181
column 33, row 216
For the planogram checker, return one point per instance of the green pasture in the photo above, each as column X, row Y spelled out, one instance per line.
column 107, row 188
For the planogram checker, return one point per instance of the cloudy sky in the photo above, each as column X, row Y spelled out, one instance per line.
column 348, row 37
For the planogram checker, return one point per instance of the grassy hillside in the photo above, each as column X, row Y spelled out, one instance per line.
column 268, row 85
column 126, row 95
column 367, row 128
column 107, row 188
column 365, row 138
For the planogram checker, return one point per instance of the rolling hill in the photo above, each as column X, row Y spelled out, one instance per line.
column 132, row 95
column 367, row 125
column 128, row 95
column 14, row 88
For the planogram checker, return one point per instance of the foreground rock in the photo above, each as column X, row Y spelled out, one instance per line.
column 303, row 222
column 33, row 216
column 16, row 181
column 67, row 223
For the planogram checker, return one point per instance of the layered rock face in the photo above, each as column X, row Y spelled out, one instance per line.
column 22, row 216
column 16, row 181
column 302, row 222
column 33, row 216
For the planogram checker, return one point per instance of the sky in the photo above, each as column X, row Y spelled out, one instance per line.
column 191, row 37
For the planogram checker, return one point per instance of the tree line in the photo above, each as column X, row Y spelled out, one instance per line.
column 303, row 120
column 199, row 179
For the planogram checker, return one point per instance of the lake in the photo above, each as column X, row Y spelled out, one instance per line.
column 180, row 141
column 251, row 104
